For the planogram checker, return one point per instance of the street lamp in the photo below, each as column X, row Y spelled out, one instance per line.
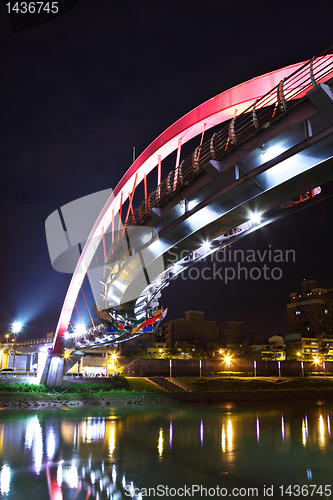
column 16, row 328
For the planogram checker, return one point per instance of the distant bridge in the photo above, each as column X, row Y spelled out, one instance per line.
column 273, row 150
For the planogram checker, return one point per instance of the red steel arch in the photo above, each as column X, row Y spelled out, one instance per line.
column 210, row 113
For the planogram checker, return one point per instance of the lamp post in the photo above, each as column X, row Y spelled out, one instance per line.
column 227, row 360
column 16, row 328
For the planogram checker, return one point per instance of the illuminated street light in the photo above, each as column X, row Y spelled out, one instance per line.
column 16, row 328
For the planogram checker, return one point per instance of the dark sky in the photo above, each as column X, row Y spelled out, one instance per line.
column 79, row 92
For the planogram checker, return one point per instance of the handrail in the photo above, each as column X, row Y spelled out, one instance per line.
column 251, row 121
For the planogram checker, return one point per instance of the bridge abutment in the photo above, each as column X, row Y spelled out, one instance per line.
column 53, row 370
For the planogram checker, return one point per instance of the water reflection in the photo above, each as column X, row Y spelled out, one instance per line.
column 170, row 435
column 304, row 432
column 160, row 443
column 103, row 455
column 4, row 479
column 34, row 441
column 328, row 426
column 258, row 429
column 223, row 439
column 321, row 430
column 112, row 439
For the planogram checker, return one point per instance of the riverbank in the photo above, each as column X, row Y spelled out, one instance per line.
column 208, row 391
column 40, row 401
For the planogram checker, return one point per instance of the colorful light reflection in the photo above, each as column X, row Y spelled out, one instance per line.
column 329, row 426
column 226, row 437
column 160, row 443
column 258, row 429
column 282, row 429
column 112, row 439
column 304, row 432
column 5, row 479
column 321, row 429
column 170, row 435
column 34, row 441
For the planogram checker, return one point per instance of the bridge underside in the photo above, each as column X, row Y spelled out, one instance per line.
column 289, row 156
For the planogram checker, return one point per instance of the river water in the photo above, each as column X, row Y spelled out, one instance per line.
column 182, row 452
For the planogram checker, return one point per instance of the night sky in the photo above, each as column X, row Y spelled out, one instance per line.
column 79, row 92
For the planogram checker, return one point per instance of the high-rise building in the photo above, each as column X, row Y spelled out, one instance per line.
column 310, row 311
column 193, row 328
column 236, row 335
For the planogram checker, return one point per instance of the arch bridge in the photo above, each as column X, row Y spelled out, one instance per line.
column 270, row 152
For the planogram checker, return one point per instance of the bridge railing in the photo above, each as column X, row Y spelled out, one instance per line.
column 257, row 116
column 44, row 340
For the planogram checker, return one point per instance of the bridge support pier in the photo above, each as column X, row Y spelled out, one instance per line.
column 56, row 366
column 53, row 370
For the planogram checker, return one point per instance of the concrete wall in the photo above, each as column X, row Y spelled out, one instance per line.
column 22, row 362
column 182, row 367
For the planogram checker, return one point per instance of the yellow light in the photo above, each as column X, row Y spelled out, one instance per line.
column 112, row 439
column 316, row 360
column 223, row 439
column 160, row 443
column 298, row 353
column 303, row 433
column 321, row 429
column 229, row 434
column 66, row 355
column 221, row 351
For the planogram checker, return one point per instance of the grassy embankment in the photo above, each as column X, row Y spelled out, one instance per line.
column 117, row 391
column 217, row 384
column 120, row 391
